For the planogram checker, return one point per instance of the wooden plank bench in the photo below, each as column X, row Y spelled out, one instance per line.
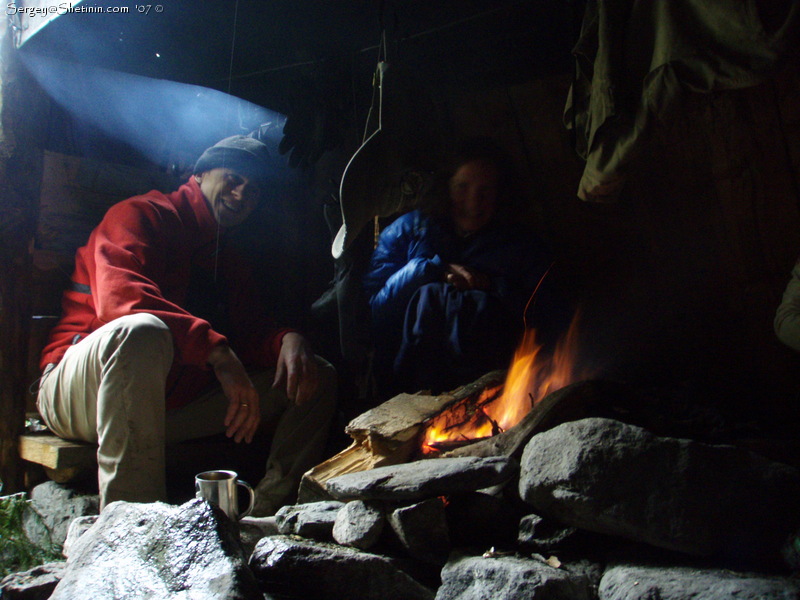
column 63, row 460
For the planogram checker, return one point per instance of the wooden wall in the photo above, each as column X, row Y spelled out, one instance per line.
column 20, row 173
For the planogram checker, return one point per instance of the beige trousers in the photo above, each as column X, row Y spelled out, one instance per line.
column 109, row 390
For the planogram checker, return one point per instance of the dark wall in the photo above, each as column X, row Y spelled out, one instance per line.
column 678, row 282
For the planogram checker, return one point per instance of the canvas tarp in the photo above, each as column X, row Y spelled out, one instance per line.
column 634, row 58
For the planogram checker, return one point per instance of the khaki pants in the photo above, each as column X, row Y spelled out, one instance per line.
column 109, row 390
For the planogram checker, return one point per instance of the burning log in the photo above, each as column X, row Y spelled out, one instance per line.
column 573, row 402
column 388, row 434
column 494, row 416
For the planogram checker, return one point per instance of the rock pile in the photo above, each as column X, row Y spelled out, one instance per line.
column 595, row 509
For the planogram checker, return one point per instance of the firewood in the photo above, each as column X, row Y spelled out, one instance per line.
column 570, row 403
column 388, row 434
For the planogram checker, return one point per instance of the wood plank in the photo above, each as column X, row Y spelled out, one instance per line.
column 55, row 453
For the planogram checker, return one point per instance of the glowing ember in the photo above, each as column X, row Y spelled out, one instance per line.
column 532, row 376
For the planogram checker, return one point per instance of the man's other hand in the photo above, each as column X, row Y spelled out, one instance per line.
column 244, row 410
column 297, row 369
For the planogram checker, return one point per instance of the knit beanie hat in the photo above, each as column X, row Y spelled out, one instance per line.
column 245, row 155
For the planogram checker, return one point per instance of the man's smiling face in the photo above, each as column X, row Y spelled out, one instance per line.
column 232, row 197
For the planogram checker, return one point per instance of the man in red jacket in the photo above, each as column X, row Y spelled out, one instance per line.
column 135, row 362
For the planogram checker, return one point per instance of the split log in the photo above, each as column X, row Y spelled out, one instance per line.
column 387, row 434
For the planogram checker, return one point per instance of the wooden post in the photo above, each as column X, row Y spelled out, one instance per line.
column 20, row 173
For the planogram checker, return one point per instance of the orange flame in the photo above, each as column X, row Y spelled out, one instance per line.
column 530, row 378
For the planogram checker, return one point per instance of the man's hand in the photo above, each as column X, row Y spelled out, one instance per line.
column 464, row 278
column 244, row 410
column 297, row 369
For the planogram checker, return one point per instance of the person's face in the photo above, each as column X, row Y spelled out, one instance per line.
column 232, row 197
column 473, row 195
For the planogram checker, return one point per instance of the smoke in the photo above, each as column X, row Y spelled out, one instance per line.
column 159, row 118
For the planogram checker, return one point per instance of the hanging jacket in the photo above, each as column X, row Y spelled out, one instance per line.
column 635, row 58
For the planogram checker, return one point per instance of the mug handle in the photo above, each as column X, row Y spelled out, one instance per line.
column 252, row 497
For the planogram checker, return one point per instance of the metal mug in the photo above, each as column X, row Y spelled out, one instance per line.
column 219, row 488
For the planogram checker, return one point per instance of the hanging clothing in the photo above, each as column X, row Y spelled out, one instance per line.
column 634, row 58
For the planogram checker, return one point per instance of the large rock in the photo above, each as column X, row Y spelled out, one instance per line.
column 510, row 578
column 36, row 584
column 423, row 479
column 618, row 479
column 54, row 506
column 308, row 569
column 640, row 582
column 158, row 551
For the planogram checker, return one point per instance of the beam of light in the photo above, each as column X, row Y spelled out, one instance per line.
column 148, row 114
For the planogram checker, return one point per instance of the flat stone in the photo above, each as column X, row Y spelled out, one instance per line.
column 423, row 479
column 359, row 524
column 312, row 520
column 617, row 479
column 158, row 550
column 422, row 530
column 301, row 568
column 641, row 582
column 510, row 578
column 35, row 584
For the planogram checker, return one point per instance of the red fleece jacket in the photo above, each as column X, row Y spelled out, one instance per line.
column 140, row 259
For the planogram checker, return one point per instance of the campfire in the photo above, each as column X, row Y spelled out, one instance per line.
column 412, row 426
column 533, row 375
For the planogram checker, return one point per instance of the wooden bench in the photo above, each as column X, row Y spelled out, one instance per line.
column 63, row 460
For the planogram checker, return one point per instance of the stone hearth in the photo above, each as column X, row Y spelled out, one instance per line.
column 585, row 507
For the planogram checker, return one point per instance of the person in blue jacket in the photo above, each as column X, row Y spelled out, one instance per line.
column 448, row 286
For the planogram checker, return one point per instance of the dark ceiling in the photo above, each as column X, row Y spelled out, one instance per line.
column 255, row 49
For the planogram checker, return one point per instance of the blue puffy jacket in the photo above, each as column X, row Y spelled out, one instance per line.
column 417, row 318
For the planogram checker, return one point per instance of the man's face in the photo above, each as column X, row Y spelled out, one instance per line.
column 473, row 196
column 231, row 196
